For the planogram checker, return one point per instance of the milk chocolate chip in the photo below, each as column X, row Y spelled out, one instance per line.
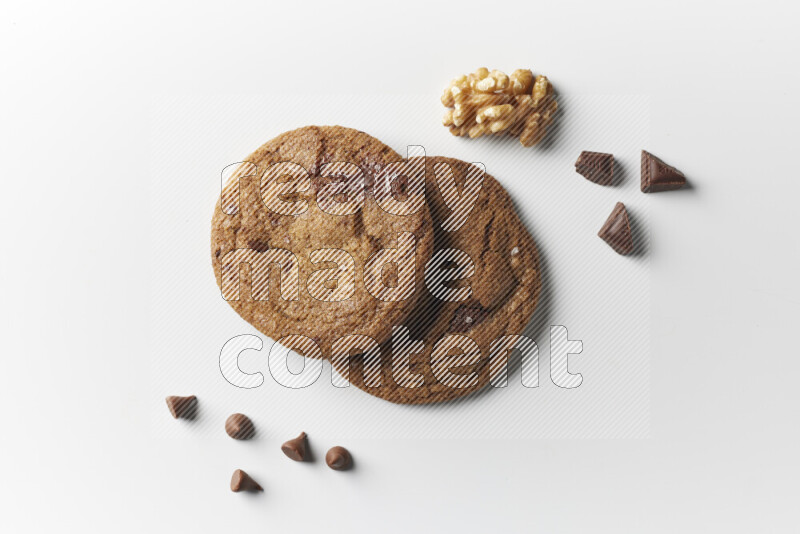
column 239, row 426
column 296, row 448
column 658, row 176
column 338, row 459
column 617, row 230
column 596, row 167
column 241, row 481
column 182, row 407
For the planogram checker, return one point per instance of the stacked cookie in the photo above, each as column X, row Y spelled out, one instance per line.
column 327, row 237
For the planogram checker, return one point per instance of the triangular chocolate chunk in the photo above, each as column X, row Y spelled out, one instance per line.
column 617, row 230
column 182, row 407
column 241, row 481
column 596, row 167
column 658, row 176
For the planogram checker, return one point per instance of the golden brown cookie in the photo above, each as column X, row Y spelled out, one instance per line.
column 505, row 288
column 272, row 213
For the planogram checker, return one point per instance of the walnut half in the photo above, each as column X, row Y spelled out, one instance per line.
column 492, row 103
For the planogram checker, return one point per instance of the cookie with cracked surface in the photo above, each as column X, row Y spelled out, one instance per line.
column 505, row 288
column 313, row 189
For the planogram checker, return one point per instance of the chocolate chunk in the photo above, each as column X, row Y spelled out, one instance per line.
column 399, row 188
column 596, row 167
column 182, row 407
column 296, row 448
column 239, row 426
column 467, row 317
column 658, row 176
column 617, row 230
column 339, row 459
column 241, row 481
column 259, row 245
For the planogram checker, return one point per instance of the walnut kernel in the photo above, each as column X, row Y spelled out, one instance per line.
column 492, row 103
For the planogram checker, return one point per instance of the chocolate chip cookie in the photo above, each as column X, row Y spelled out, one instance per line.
column 505, row 288
column 271, row 213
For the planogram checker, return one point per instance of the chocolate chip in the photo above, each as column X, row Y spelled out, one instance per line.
column 296, row 448
column 182, row 407
column 596, row 167
column 259, row 245
column 467, row 317
column 658, row 176
column 617, row 230
column 239, row 426
column 399, row 188
column 339, row 459
column 369, row 179
column 241, row 481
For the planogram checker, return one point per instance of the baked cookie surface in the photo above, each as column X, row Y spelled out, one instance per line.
column 505, row 288
column 245, row 223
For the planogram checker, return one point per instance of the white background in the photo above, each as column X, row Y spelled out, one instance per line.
column 79, row 447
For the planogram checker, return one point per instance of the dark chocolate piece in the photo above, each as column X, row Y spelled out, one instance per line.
column 617, row 230
column 596, row 167
column 296, row 448
column 182, row 407
column 239, row 426
column 339, row 459
column 241, row 481
column 658, row 176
